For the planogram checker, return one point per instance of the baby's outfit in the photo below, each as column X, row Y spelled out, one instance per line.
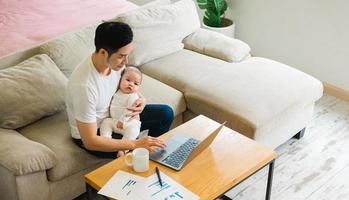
column 118, row 109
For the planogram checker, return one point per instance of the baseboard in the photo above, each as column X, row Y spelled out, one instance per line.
column 336, row 91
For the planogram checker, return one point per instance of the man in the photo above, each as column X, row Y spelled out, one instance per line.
column 91, row 87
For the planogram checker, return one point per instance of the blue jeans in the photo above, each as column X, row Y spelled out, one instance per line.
column 157, row 118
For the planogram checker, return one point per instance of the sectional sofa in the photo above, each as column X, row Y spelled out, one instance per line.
column 265, row 100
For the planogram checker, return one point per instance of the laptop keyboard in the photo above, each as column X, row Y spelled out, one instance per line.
column 177, row 157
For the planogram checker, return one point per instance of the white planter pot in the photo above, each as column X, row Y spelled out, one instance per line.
column 228, row 30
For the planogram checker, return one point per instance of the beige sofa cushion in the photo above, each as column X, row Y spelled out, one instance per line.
column 53, row 132
column 159, row 31
column 23, row 156
column 29, row 91
column 247, row 94
column 217, row 45
column 69, row 50
column 158, row 93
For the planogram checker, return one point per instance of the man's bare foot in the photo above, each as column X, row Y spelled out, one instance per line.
column 120, row 153
column 120, row 125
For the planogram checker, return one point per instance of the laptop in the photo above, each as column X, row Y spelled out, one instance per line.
column 181, row 149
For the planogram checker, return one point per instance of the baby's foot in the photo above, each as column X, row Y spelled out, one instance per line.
column 120, row 153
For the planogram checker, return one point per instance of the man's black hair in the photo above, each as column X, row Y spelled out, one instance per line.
column 112, row 36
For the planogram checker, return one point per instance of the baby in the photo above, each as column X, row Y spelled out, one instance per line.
column 123, row 99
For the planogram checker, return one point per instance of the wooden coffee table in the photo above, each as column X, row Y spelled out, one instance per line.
column 230, row 159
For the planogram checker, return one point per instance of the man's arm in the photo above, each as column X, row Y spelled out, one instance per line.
column 94, row 142
column 98, row 143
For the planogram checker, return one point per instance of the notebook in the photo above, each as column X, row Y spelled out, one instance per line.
column 181, row 149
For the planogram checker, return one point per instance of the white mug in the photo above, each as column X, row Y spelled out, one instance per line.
column 140, row 159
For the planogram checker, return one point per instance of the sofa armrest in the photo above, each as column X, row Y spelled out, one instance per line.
column 217, row 45
column 22, row 156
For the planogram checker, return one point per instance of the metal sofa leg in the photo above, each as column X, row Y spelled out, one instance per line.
column 300, row 134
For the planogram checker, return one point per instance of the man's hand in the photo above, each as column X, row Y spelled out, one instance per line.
column 136, row 108
column 149, row 143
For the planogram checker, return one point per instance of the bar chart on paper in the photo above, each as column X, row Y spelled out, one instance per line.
column 175, row 195
column 124, row 185
column 156, row 189
column 170, row 189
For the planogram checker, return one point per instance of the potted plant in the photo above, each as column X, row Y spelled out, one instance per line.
column 214, row 16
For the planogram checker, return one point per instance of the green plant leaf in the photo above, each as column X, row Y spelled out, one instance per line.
column 212, row 19
column 221, row 6
column 224, row 7
column 218, row 6
column 211, row 6
column 202, row 4
column 214, row 11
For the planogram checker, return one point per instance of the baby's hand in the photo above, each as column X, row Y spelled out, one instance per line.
column 136, row 117
column 119, row 125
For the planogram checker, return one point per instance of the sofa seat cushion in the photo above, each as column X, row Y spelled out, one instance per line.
column 159, row 93
column 249, row 93
column 53, row 132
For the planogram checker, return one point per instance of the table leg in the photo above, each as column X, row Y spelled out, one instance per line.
column 270, row 179
column 89, row 191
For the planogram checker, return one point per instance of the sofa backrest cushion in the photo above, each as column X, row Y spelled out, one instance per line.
column 217, row 45
column 159, row 31
column 69, row 50
column 29, row 91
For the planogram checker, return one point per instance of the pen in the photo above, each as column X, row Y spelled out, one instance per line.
column 158, row 173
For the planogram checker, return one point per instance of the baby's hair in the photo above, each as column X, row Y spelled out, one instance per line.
column 132, row 68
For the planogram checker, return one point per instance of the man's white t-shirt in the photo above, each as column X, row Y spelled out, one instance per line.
column 89, row 94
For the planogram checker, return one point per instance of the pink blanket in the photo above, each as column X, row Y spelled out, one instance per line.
column 24, row 23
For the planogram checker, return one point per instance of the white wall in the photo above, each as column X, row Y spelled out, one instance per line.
column 311, row 35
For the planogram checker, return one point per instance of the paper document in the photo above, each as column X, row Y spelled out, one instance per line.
column 170, row 190
column 124, row 186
